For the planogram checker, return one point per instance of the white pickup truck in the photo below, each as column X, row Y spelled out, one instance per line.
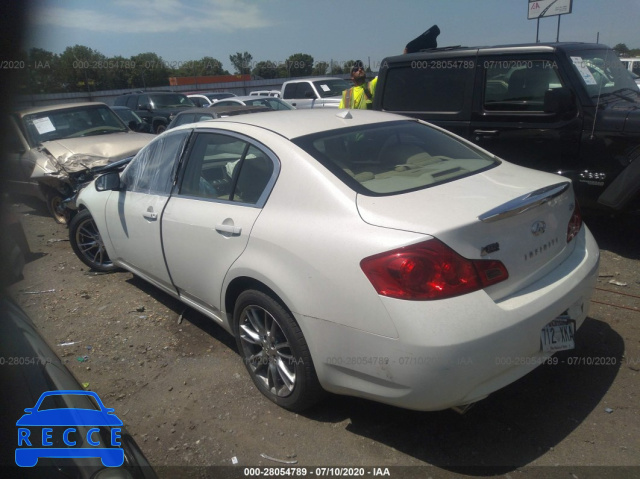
column 315, row 92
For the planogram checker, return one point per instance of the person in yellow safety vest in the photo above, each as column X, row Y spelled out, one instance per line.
column 359, row 96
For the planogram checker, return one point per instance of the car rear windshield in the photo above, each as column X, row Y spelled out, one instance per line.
column 171, row 101
column 394, row 157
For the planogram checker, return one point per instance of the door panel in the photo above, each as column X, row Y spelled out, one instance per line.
column 206, row 226
column 134, row 215
column 509, row 118
column 202, row 239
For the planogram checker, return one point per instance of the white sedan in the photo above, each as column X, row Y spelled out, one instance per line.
column 355, row 252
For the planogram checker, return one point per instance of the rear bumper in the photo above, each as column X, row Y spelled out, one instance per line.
column 456, row 351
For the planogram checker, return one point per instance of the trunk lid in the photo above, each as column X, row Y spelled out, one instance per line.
column 490, row 215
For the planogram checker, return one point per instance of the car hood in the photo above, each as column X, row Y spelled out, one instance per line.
column 529, row 243
column 76, row 154
column 109, row 148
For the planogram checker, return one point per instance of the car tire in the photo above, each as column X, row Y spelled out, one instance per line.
column 160, row 128
column 54, row 205
column 87, row 243
column 275, row 352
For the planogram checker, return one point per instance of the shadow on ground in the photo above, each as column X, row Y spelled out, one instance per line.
column 617, row 234
column 506, row 431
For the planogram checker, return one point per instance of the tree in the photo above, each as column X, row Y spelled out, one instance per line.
column 335, row 69
column 206, row 66
column 42, row 75
column 320, row 68
column 299, row 65
column 80, row 69
column 266, row 70
column 241, row 62
column 621, row 49
column 149, row 70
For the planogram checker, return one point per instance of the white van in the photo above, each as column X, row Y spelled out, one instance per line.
column 275, row 93
column 633, row 65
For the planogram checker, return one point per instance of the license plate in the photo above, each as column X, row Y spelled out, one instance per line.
column 558, row 335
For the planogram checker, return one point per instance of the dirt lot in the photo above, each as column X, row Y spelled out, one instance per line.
column 184, row 394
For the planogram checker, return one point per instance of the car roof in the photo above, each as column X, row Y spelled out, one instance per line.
column 520, row 47
column 314, row 79
column 61, row 106
column 294, row 123
column 250, row 97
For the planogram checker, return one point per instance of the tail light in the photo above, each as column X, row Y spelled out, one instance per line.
column 575, row 223
column 429, row 270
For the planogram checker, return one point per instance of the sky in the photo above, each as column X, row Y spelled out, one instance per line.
column 272, row 30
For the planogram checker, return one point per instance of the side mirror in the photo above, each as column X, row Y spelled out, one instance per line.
column 145, row 106
column 108, row 182
column 559, row 101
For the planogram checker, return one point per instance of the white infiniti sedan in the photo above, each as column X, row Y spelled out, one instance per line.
column 355, row 252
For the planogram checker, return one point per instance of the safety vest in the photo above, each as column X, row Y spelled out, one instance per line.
column 365, row 102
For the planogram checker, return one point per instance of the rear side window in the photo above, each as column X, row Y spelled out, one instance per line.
column 223, row 167
column 394, row 157
column 429, row 85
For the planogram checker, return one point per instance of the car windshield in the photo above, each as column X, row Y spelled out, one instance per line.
column 71, row 123
column 327, row 88
column 603, row 74
column 171, row 101
column 395, row 157
column 128, row 115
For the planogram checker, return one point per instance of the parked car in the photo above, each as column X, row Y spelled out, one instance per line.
column 195, row 115
column 32, row 372
column 570, row 108
column 633, row 65
column 156, row 107
column 132, row 120
column 48, row 144
column 356, row 252
column 204, row 100
column 315, row 92
column 269, row 102
column 275, row 93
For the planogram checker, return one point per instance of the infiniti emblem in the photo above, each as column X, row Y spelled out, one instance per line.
column 538, row 228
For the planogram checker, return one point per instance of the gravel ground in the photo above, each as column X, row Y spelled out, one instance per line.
column 183, row 392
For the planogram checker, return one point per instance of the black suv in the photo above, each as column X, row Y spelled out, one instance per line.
column 570, row 108
column 156, row 108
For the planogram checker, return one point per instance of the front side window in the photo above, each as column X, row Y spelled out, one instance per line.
column 153, row 169
column 518, row 84
column 394, row 157
column 223, row 167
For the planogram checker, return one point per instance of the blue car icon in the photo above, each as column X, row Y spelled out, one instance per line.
column 77, row 428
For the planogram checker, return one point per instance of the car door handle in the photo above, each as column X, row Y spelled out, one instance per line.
column 483, row 134
column 150, row 215
column 234, row 230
